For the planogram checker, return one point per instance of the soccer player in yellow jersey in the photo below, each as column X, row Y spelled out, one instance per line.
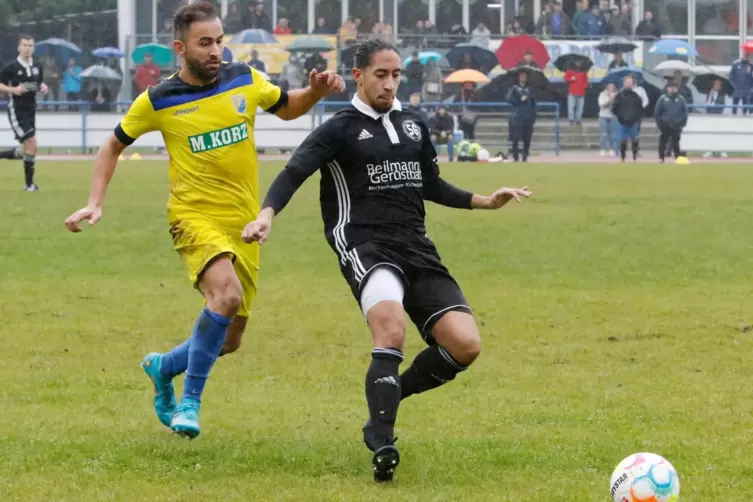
column 206, row 114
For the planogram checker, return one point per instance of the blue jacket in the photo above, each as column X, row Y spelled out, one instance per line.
column 741, row 76
column 523, row 110
column 671, row 112
column 596, row 26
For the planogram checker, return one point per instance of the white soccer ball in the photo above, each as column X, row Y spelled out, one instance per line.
column 645, row 477
column 483, row 155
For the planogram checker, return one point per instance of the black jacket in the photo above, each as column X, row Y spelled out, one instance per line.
column 671, row 112
column 523, row 110
column 439, row 123
column 628, row 107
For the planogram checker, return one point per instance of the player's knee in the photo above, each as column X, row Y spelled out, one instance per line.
column 466, row 348
column 387, row 325
column 30, row 146
column 226, row 298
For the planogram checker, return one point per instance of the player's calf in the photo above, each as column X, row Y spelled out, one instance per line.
column 234, row 335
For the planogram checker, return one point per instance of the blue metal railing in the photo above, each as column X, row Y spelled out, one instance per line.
column 84, row 107
column 546, row 105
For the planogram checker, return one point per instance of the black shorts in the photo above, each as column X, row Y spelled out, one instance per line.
column 430, row 290
column 23, row 123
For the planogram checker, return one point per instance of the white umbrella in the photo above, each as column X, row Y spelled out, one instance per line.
column 670, row 67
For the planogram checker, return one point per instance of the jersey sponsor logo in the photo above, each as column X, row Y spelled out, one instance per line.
column 218, row 139
column 239, row 103
column 186, row 111
column 412, row 130
column 386, row 174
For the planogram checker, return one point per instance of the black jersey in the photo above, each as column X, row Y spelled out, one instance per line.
column 376, row 171
column 18, row 73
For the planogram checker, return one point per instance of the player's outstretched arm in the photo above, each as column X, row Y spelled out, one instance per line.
column 300, row 101
column 446, row 194
column 104, row 167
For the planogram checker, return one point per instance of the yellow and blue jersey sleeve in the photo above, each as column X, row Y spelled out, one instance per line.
column 269, row 97
column 140, row 119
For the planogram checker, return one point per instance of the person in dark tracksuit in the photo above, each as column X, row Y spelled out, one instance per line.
column 523, row 116
column 628, row 109
column 671, row 115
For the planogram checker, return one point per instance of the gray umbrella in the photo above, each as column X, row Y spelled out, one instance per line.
column 614, row 45
column 101, row 72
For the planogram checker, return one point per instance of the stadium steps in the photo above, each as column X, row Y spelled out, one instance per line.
column 491, row 132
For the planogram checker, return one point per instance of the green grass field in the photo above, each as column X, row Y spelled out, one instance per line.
column 615, row 309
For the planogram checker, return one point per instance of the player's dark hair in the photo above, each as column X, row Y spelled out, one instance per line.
column 24, row 36
column 189, row 14
column 366, row 51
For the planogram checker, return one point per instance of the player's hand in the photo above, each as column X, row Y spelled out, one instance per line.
column 326, row 82
column 44, row 89
column 257, row 231
column 90, row 213
column 18, row 90
column 505, row 195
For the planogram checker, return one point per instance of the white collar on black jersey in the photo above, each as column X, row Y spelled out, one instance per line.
column 23, row 63
column 369, row 111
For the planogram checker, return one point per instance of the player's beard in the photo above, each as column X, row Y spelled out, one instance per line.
column 200, row 71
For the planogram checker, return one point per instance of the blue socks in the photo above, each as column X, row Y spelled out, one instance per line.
column 203, row 349
column 175, row 362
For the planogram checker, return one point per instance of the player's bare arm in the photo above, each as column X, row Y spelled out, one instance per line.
column 104, row 168
column 300, row 101
column 500, row 198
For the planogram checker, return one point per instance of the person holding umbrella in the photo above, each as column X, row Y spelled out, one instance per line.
column 577, row 80
column 671, row 115
column 528, row 60
column 628, row 109
column 523, row 116
column 617, row 62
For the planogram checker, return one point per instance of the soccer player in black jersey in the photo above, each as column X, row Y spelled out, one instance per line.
column 22, row 79
column 378, row 166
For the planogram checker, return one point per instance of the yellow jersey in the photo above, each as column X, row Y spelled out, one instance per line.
column 208, row 133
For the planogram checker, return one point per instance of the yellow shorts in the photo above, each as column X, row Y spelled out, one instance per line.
column 198, row 241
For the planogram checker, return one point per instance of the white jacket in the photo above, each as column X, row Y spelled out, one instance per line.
column 605, row 105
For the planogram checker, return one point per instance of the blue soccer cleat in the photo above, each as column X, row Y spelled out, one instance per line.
column 164, row 393
column 186, row 419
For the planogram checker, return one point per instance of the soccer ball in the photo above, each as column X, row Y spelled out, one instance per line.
column 483, row 155
column 645, row 477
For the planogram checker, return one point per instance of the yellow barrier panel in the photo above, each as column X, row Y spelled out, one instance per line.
column 275, row 56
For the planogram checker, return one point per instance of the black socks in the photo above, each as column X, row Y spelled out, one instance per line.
column 29, row 169
column 431, row 368
column 383, row 393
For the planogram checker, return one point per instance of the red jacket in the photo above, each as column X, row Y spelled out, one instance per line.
column 578, row 81
column 145, row 76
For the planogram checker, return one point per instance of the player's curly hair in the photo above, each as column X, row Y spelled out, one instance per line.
column 192, row 13
column 366, row 51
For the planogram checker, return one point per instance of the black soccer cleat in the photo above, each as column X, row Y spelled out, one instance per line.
column 385, row 461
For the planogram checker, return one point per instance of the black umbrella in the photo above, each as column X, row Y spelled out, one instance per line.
column 536, row 77
column 616, row 44
column 705, row 81
column 569, row 62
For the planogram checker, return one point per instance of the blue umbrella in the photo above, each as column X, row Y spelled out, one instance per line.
column 618, row 74
column 106, row 52
column 254, row 37
column 424, row 57
column 484, row 58
column 227, row 55
column 672, row 47
column 63, row 50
